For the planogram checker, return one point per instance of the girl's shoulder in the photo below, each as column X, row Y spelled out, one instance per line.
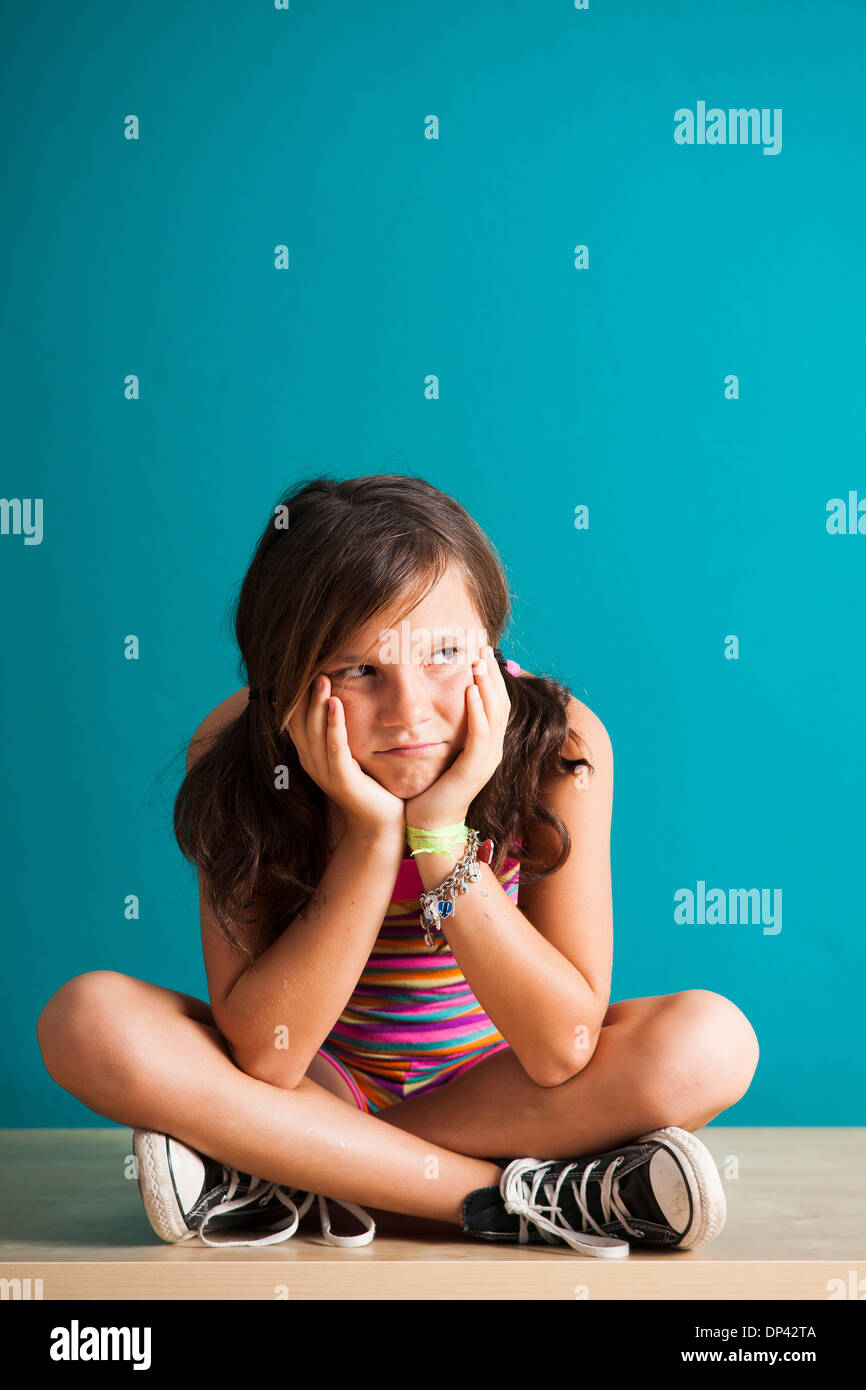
column 222, row 714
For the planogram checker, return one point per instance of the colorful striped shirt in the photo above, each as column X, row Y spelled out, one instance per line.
column 412, row 1022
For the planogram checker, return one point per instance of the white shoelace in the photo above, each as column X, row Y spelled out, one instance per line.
column 260, row 1193
column 514, row 1185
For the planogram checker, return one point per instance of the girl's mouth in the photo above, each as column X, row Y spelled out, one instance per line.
column 413, row 750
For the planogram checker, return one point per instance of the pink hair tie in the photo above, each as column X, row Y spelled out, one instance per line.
column 512, row 667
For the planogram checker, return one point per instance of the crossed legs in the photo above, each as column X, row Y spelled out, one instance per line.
column 151, row 1058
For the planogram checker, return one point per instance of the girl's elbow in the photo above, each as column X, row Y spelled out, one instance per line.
column 559, row 1069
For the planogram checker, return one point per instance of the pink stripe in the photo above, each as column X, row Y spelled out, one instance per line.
column 353, row 1085
column 409, row 884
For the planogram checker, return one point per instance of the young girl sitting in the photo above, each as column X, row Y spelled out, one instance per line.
column 407, row 929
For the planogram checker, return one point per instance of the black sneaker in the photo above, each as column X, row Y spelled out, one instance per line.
column 184, row 1191
column 663, row 1189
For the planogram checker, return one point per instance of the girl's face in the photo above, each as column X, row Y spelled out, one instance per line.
column 405, row 683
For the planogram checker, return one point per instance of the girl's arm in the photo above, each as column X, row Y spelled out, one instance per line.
column 280, row 1009
column 276, row 1013
column 542, row 971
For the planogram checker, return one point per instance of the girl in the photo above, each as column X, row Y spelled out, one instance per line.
column 383, row 1014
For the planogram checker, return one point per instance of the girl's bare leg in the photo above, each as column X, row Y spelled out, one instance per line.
column 670, row 1059
column 150, row 1058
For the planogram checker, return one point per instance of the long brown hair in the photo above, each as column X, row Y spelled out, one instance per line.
column 334, row 556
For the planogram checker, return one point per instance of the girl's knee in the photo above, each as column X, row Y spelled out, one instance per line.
column 701, row 1045
column 718, row 1033
column 77, row 1015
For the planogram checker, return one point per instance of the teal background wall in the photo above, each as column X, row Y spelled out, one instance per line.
column 605, row 386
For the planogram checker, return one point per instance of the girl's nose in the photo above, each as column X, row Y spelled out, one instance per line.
column 405, row 701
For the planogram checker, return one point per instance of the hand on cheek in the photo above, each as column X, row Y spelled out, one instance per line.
column 484, row 718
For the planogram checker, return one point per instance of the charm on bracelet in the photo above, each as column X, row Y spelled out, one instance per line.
column 437, row 904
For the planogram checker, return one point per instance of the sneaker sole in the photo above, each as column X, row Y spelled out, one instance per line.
column 155, row 1182
column 699, row 1169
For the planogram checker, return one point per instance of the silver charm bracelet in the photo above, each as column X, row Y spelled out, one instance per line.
column 437, row 904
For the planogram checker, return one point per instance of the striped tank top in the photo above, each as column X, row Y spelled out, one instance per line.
column 412, row 1022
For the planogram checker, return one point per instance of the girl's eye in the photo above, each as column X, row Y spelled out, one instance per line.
column 349, row 672
column 443, row 650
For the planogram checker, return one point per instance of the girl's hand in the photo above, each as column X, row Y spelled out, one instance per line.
column 488, row 708
column 323, row 751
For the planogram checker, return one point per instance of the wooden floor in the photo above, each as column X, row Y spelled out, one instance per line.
column 70, row 1218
